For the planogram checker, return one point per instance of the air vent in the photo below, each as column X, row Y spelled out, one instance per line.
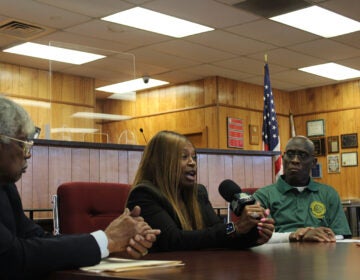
column 21, row 30
column 270, row 8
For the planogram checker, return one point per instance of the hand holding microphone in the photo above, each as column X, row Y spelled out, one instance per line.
column 252, row 217
column 232, row 193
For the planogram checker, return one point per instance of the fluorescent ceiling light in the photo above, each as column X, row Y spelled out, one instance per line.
column 319, row 21
column 132, row 86
column 33, row 103
column 90, row 115
column 53, row 53
column 129, row 96
column 156, row 22
column 73, row 130
column 332, row 71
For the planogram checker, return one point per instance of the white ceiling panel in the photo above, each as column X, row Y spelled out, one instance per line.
column 288, row 58
column 334, row 50
column 278, row 34
column 190, row 50
column 229, row 42
column 91, row 8
column 235, row 49
column 38, row 13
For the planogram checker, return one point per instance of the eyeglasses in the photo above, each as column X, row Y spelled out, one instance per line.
column 301, row 154
column 25, row 145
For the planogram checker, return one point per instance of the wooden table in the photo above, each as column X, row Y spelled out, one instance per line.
column 284, row 261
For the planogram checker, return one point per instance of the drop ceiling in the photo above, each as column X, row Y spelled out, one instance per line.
column 235, row 49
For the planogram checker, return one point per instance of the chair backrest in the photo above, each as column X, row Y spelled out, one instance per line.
column 89, row 206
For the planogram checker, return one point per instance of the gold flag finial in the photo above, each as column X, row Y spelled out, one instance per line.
column 265, row 57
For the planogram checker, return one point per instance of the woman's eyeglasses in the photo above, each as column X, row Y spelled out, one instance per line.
column 25, row 145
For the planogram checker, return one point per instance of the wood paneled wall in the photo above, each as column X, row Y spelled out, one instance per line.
column 52, row 165
column 339, row 106
column 193, row 107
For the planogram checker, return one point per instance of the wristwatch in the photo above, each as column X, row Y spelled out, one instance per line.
column 230, row 228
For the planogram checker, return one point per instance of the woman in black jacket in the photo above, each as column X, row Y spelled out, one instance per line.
column 166, row 189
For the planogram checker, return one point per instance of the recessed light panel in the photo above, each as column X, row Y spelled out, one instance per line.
column 100, row 116
column 319, row 21
column 156, row 22
column 332, row 71
column 53, row 53
column 132, row 86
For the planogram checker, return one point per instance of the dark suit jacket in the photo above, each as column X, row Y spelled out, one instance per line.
column 27, row 252
column 158, row 213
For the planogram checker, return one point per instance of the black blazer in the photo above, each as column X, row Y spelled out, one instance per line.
column 28, row 252
column 158, row 213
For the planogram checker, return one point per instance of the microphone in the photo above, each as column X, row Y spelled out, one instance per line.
column 142, row 132
column 232, row 193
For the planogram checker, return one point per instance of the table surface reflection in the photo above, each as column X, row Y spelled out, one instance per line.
column 331, row 261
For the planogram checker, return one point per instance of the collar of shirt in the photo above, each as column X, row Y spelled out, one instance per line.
column 284, row 187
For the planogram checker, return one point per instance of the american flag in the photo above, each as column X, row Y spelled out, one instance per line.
column 270, row 129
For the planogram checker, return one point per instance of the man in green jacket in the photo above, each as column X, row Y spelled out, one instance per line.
column 303, row 209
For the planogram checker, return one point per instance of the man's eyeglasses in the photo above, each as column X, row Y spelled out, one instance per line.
column 25, row 145
column 301, row 154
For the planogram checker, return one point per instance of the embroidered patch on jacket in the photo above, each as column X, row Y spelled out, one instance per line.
column 318, row 209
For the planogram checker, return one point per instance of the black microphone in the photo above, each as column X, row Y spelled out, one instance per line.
column 142, row 132
column 232, row 193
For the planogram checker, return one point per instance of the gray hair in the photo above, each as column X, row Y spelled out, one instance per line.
column 14, row 120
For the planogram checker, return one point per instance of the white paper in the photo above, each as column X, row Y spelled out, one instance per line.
column 118, row 264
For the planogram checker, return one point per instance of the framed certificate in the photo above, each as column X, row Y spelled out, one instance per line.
column 315, row 128
column 349, row 159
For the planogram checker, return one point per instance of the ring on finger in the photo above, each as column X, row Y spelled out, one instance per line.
column 254, row 215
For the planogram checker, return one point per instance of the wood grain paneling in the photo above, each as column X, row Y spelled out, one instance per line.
column 339, row 106
column 51, row 166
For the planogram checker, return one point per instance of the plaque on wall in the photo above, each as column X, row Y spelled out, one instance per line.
column 333, row 163
column 349, row 140
column 316, row 171
column 319, row 145
column 235, row 133
column 254, row 134
column 333, row 144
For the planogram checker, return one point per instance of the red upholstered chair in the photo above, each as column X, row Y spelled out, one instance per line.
column 89, row 206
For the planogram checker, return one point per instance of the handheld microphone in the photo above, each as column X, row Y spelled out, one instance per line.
column 232, row 193
column 142, row 132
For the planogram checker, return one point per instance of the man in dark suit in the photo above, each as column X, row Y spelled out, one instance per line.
column 26, row 250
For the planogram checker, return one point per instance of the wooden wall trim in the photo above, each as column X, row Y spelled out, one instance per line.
column 328, row 111
column 249, row 109
column 109, row 146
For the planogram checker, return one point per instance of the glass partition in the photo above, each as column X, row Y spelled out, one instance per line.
column 79, row 107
